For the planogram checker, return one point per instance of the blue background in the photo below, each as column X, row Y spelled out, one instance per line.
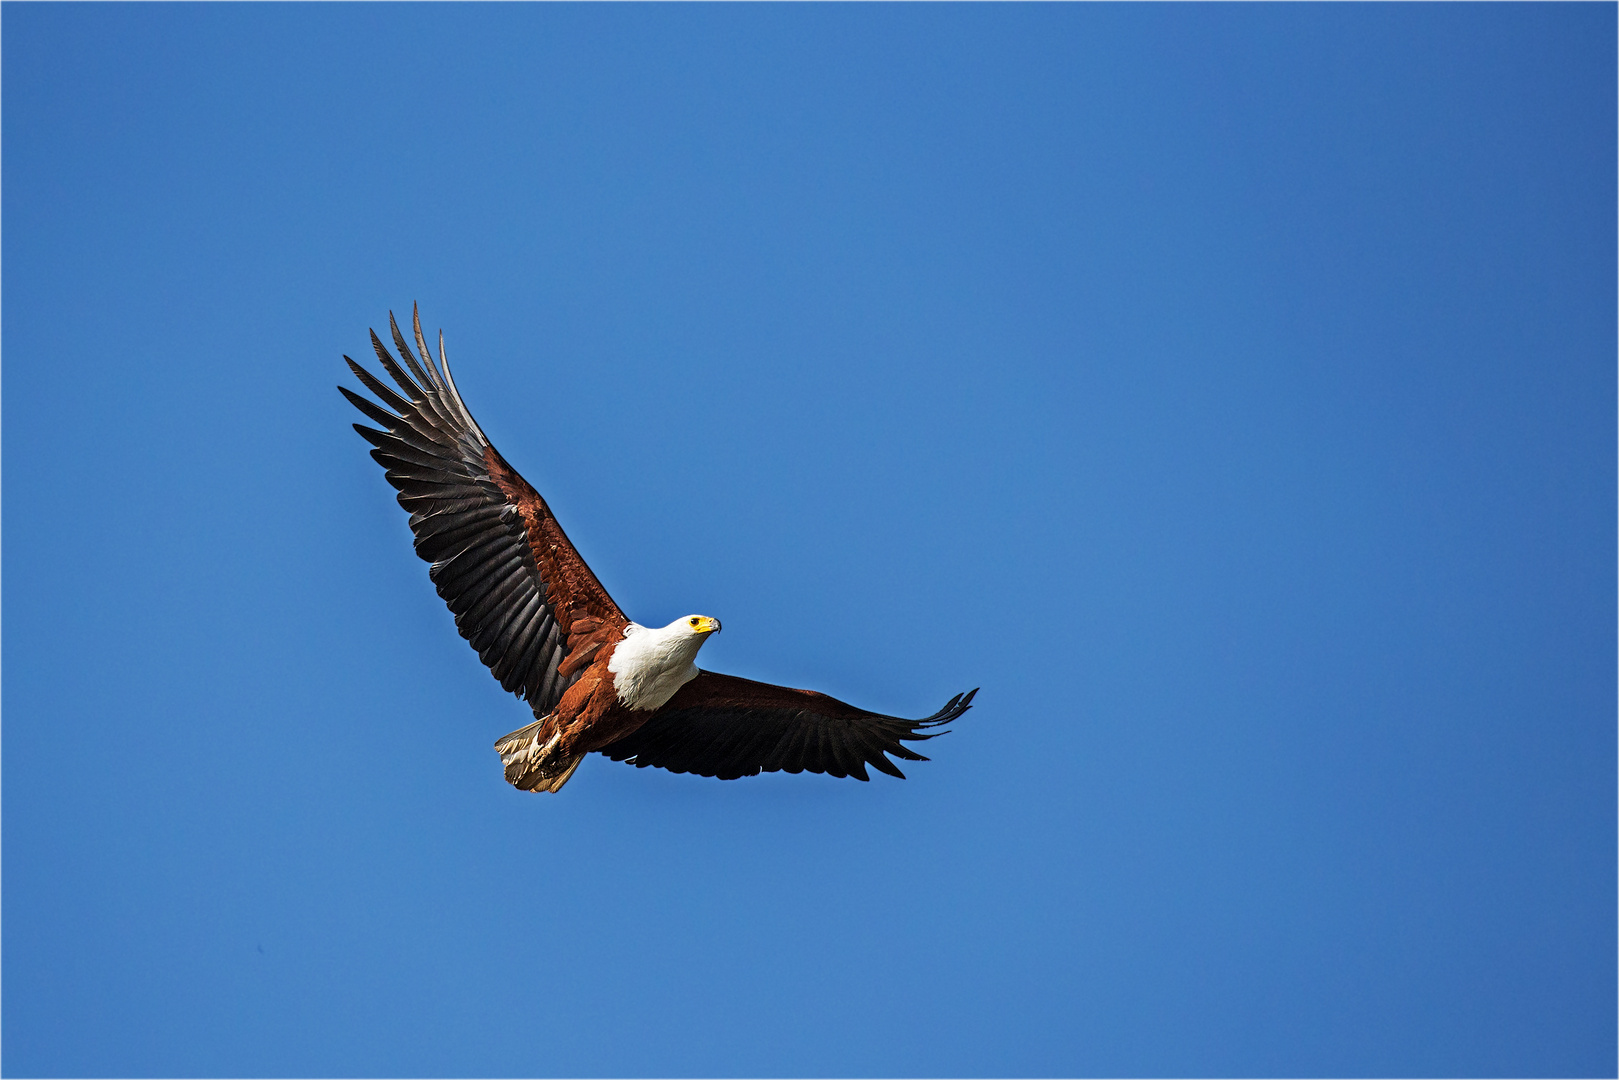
column 1229, row 391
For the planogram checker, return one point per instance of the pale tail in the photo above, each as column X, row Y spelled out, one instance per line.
column 531, row 766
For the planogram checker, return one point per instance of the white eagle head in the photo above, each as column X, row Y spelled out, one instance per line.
column 648, row 666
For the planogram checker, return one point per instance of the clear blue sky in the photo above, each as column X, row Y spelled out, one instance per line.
column 1228, row 391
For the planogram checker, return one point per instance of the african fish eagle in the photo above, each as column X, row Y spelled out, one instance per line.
column 550, row 634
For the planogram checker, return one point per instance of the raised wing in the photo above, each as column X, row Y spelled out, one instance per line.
column 719, row 725
column 520, row 593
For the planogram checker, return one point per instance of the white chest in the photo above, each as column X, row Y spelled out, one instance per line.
column 649, row 666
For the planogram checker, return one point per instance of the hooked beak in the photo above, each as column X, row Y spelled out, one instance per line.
column 708, row 626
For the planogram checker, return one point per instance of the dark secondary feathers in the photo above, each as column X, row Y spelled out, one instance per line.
column 536, row 615
column 723, row 726
column 521, row 595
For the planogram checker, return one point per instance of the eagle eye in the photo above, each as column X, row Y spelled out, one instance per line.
column 693, row 622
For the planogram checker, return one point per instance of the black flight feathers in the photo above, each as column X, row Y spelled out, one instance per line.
column 731, row 741
column 464, row 524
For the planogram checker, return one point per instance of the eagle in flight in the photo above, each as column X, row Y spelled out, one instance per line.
column 548, row 631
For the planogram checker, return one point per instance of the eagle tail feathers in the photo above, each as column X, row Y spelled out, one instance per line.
column 531, row 761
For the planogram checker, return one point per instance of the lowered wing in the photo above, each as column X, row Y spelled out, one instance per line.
column 520, row 593
column 723, row 726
